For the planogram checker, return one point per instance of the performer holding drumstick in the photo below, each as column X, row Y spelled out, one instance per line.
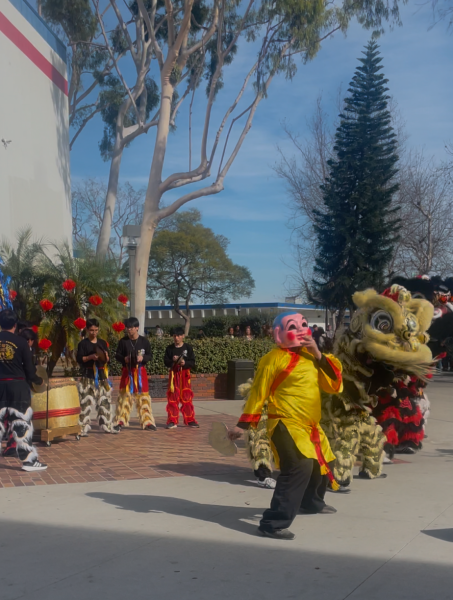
column 180, row 358
column 133, row 352
column 94, row 387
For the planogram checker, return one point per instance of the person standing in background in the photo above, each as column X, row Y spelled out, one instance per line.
column 180, row 358
column 133, row 352
column 17, row 373
column 94, row 387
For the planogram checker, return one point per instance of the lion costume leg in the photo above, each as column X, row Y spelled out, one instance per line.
column 341, row 429
column 123, row 408
column 258, row 445
column 144, row 410
column 104, row 408
column 87, row 395
column 372, row 440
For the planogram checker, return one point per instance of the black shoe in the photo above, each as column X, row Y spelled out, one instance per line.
column 193, row 424
column 278, row 534
column 341, row 490
column 171, row 426
column 151, row 427
column 327, row 510
column 405, row 450
column 119, row 426
column 34, row 466
column 365, row 475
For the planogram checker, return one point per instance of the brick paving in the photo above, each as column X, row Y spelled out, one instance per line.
column 132, row 454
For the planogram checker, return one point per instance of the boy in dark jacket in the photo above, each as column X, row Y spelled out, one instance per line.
column 179, row 358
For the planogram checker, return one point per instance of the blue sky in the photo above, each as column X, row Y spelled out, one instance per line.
column 252, row 211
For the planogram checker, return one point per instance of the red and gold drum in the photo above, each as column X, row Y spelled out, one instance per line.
column 64, row 405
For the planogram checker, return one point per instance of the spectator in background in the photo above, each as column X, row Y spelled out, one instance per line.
column 322, row 339
column 237, row 331
column 201, row 335
column 230, row 333
column 315, row 333
column 248, row 334
column 330, row 333
column 159, row 332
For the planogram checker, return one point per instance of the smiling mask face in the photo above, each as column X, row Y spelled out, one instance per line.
column 290, row 329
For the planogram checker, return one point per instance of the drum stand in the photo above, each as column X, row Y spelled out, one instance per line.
column 48, row 435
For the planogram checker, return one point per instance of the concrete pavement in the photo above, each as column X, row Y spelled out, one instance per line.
column 194, row 538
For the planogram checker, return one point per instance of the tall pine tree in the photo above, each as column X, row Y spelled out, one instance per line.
column 357, row 230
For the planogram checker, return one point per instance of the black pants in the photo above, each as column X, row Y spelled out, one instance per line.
column 300, row 484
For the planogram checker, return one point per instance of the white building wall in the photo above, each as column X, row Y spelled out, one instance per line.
column 35, row 187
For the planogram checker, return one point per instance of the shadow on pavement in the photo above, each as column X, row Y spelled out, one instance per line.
column 445, row 535
column 445, row 451
column 225, row 516
column 232, row 474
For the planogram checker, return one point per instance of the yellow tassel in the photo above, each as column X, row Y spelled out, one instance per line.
column 324, row 470
column 172, row 385
column 335, row 486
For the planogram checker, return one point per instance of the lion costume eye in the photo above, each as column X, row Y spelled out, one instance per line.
column 381, row 321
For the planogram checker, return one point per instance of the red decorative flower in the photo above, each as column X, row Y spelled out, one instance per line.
column 68, row 285
column 12, row 295
column 46, row 305
column 118, row 327
column 107, row 344
column 80, row 323
column 123, row 299
column 95, row 300
column 44, row 344
column 35, row 328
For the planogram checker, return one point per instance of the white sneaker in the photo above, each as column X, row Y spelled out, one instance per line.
column 387, row 460
column 34, row 466
column 268, row 483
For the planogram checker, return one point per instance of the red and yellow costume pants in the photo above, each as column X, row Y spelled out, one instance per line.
column 180, row 396
column 134, row 388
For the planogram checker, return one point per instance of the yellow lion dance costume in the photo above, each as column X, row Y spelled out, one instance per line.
column 383, row 351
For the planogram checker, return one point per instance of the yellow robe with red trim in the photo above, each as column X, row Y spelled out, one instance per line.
column 296, row 401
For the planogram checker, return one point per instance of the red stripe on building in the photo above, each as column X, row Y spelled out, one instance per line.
column 19, row 40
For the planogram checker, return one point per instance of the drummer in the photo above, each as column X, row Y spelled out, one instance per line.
column 94, row 387
column 16, row 369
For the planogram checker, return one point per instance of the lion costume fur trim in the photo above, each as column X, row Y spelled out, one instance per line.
column 257, row 443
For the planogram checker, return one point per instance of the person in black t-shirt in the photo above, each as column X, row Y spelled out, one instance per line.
column 94, row 387
column 17, row 373
column 179, row 358
column 133, row 352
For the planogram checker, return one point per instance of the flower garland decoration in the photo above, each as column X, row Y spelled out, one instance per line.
column 68, row 285
column 46, row 305
column 12, row 295
column 34, row 328
column 123, row 299
column 95, row 300
column 80, row 323
column 44, row 344
column 118, row 327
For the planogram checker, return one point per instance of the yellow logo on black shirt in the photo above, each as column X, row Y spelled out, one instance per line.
column 7, row 350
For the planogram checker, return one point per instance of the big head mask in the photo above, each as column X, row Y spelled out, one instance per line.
column 289, row 329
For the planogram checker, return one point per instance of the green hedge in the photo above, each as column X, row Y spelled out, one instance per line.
column 211, row 355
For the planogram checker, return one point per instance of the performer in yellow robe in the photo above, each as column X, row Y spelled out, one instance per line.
column 292, row 377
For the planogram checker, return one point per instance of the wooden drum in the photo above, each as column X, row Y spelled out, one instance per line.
column 64, row 405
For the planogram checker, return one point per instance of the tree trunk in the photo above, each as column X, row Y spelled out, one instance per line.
column 152, row 200
column 110, row 202
column 340, row 318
